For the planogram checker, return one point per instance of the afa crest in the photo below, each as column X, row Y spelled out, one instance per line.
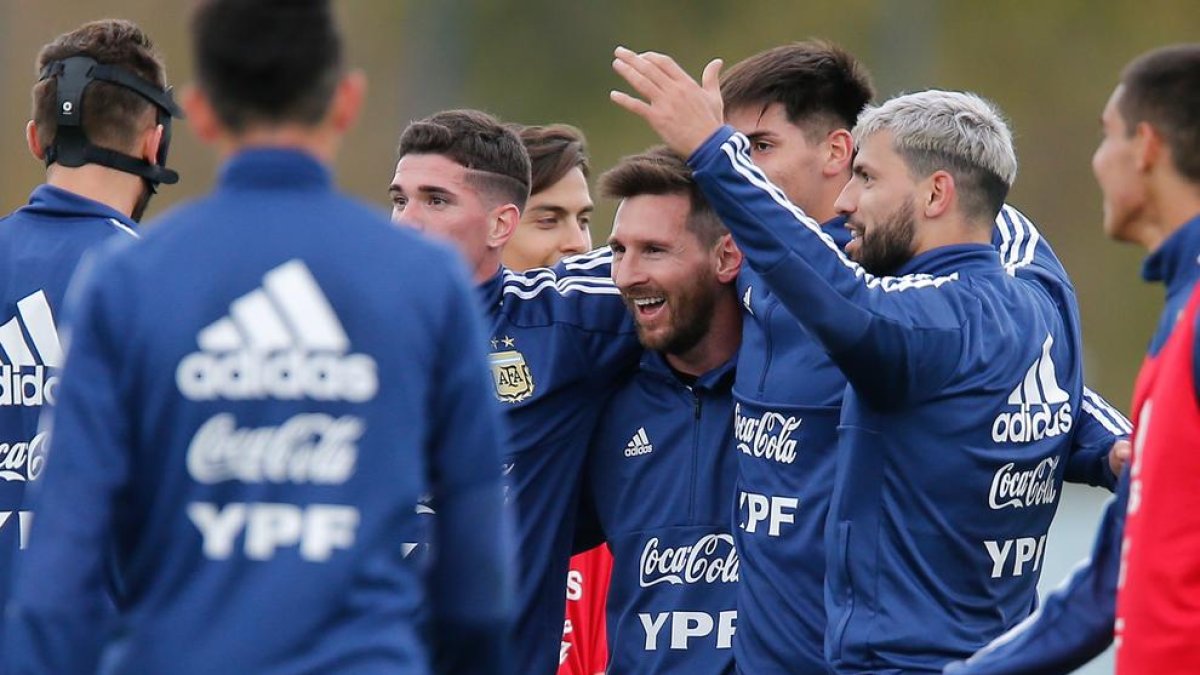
column 511, row 375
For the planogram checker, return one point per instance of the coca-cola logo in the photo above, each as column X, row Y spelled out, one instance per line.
column 711, row 560
column 1016, row 489
column 308, row 448
column 23, row 462
column 768, row 436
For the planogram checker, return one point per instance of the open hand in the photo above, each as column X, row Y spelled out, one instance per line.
column 679, row 110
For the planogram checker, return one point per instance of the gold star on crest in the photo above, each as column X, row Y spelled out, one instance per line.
column 508, row 342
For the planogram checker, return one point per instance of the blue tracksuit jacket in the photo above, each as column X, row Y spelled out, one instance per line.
column 1075, row 624
column 254, row 397
column 41, row 244
column 782, row 622
column 965, row 386
column 560, row 339
column 660, row 478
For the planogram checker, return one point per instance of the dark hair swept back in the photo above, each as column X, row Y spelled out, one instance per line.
column 1162, row 88
column 554, row 150
column 267, row 62
column 659, row 171
column 496, row 159
column 113, row 116
column 820, row 85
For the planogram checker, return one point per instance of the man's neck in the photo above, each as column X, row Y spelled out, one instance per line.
column 115, row 189
column 319, row 141
column 1169, row 208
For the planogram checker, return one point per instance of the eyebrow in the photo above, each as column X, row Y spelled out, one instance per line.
column 430, row 189
column 554, row 208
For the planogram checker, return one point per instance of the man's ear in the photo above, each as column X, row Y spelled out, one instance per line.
column 150, row 143
column 1149, row 149
column 729, row 259
column 200, row 114
column 941, row 194
column 32, row 142
column 502, row 223
column 348, row 100
column 840, row 146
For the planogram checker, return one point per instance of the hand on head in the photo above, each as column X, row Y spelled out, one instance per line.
column 680, row 110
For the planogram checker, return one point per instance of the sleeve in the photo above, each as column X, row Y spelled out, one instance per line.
column 1075, row 623
column 471, row 579
column 1100, row 426
column 894, row 337
column 592, row 303
column 56, row 619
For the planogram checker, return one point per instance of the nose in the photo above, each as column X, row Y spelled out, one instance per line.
column 626, row 272
column 847, row 201
column 575, row 240
column 407, row 215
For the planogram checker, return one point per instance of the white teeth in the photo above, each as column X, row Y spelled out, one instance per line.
column 646, row 302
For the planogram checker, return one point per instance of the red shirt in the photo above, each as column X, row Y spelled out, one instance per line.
column 584, row 647
column 1158, row 597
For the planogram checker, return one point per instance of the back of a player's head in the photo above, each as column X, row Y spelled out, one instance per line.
column 113, row 116
column 960, row 133
column 659, row 171
column 554, row 150
column 820, row 85
column 1162, row 88
column 496, row 161
column 267, row 62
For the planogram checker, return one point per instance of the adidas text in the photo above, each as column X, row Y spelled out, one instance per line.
column 285, row 375
column 28, row 385
column 1027, row 425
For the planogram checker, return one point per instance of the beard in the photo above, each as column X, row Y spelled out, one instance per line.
column 888, row 245
column 689, row 316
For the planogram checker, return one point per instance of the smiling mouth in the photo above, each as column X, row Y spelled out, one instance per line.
column 649, row 306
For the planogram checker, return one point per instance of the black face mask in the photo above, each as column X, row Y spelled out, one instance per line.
column 71, row 146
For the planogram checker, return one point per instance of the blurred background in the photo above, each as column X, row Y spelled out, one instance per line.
column 1049, row 65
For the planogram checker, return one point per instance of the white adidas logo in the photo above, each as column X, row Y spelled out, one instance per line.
column 23, row 380
column 746, row 300
column 281, row 340
column 639, row 444
column 1035, row 394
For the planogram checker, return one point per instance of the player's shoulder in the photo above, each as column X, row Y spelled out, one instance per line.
column 577, row 286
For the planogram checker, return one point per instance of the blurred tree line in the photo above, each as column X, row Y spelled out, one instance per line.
column 1049, row 65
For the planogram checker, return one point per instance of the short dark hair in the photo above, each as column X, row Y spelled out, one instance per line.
column 496, row 160
column 821, row 86
column 1162, row 88
column 659, row 171
column 113, row 116
column 554, row 150
column 267, row 61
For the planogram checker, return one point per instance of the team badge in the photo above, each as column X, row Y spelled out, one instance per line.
column 511, row 374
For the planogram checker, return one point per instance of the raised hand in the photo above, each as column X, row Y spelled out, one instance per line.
column 679, row 110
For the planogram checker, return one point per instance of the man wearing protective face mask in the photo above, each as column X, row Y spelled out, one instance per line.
column 102, row 142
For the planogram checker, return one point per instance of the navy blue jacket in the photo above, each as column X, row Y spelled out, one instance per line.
column 41, row 244
column 660, row 478
column 560, row 340
column 254, row 397
column 1075, row 624
column 965, row 387
column 786, row 428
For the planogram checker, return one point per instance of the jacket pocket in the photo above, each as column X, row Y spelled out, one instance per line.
column 842, row 587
